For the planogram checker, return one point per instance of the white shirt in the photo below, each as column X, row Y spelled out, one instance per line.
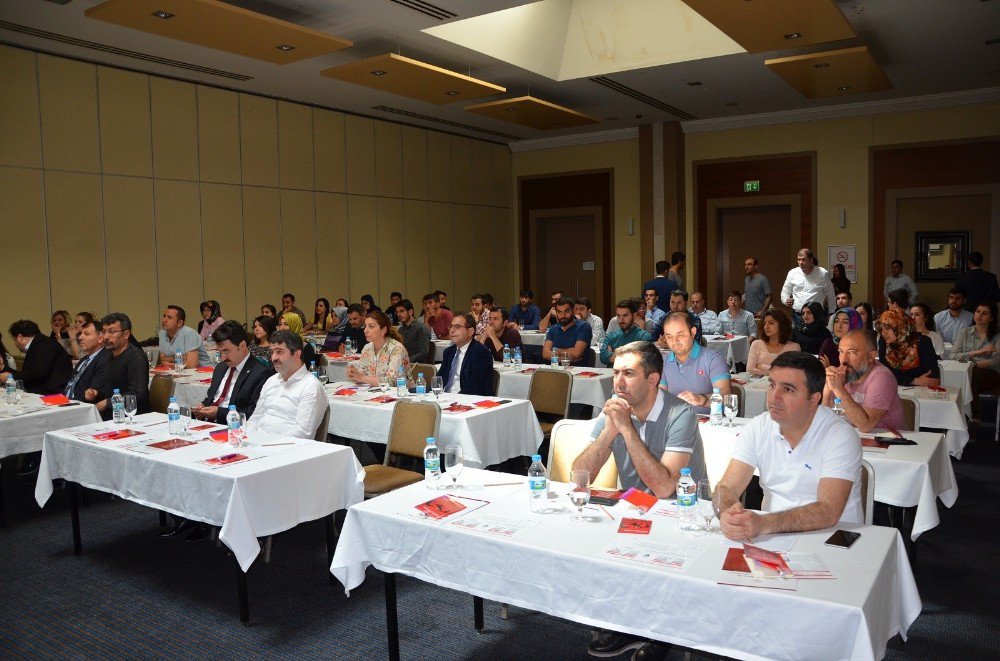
column 803, row 289
column 597, row 324
column 291, row 408
column 456, row 385
column 232, row 386
column 901, row 281
column 790, row 477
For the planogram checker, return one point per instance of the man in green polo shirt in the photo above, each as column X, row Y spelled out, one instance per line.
column 626, row 332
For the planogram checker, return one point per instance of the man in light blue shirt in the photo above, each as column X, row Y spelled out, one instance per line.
column 175, row 336
column 709, row 320
column 899, row 280
column 654, row 313
column 948, row 322
column 626, row 332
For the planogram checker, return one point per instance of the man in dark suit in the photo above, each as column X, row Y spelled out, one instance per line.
column 237, row 379
column 467, row 366
column 91, row 371
column 662, row 285
column 47, row 366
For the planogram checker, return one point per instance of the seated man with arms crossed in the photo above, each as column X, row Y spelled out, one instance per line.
column 809, row 459
column 569, row 334
column 237, row 380
column 867, row 389
column 690, row 370
column 292, row 402
column 652, row 435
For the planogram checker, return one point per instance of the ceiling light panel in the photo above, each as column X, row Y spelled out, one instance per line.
column 765, row 25
column 848, row 71
column 533, row 113
column 220, row 26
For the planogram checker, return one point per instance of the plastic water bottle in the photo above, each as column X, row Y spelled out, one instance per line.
column 715, row 407
column 432, row 464
column 838, row 407
column 554, row 361
column 401, row 390
column 118, row 408
column 421, row 386
column 518, row 361
column 235, row 434
column 10, row 389
column 348, row 347
column 178, row 361
column 312, row 369
column 173, row 417
column 506, row 355
column 687, row 501
column 538, row 486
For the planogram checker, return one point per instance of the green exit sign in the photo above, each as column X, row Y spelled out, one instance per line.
column 751, row 186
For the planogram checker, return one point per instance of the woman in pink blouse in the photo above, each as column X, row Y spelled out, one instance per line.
column 383, row 354
column 777, row 330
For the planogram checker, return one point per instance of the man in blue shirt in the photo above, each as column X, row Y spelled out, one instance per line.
column 653, row 323
column 568, row 335
column 626, row 332
column 662, row 285
column 526, row 315
column 690, row 371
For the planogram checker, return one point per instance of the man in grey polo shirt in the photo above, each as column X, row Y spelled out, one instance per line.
column 175, row 336
column 690, row 370
column 652, row 435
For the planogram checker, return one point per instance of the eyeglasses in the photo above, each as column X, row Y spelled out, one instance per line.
column 459, row 326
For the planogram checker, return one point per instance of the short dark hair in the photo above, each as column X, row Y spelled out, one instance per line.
column 406, row 304
column 800, row 360
column 274, row 310
column 478, row 297
column 355, row 307
column 649, row 356
column 896, row 261
column 288, row 338
column 488, row 299
column 680, row 314
column 680, row 292
column 784, row 324
column 677, row 258
column 565, row 300
column 850, row 296
column 503, row 312
column 25, row 327
column 396, row 294
column 117, row 317
column 470, row 321
column 662, row 266
column 526, row 292
column 440, row 292
column 976, row 258
column 291, row 296
column 583, row 300
column 98, row 326
column 430, row 297
column 230, row 330
column 956, row 291
column 900, row 297
column 181, row 314
column 628, row 304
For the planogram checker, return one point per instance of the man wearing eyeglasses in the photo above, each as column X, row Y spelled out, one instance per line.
column 467, row 366
column 237, row 380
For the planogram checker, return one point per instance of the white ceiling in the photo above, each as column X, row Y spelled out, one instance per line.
column 926, row 47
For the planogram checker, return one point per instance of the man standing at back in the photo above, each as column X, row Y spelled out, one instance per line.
column 237, row 380
column 292, row 402
column 128, row 368
column 661, row 285
column 677, row 262
column 756, row 289
column 175, row 336
column 47, row 367
column 979, row 285
column 807, row 283
column 899, row 280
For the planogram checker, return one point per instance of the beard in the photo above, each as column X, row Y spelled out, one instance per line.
column 855, row 375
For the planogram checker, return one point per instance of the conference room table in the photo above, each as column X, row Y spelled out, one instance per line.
column 905, row 475
column 955, row 374
column 489, row 433
column 667, row 585
column 734, row 349
column 592, row 386
column 281, row 483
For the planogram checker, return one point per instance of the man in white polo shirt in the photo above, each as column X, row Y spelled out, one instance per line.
column 292, row 402
column 808, row 458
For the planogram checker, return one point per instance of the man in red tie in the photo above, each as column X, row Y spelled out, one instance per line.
column 237, row 379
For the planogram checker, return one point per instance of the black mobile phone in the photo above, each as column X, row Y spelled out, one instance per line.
column 842, row 538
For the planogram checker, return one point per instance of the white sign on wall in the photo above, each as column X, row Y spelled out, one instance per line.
column 847, row 256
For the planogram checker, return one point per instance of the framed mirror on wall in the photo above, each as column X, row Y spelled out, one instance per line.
column 941, row 255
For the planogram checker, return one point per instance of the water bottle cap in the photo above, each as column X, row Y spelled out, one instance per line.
column 430, row 440
column 172, row 399
column 117, row 392
column 536, row 457
column 232, row 407
column 715, row 391
column 836, row 400
column 685, row 471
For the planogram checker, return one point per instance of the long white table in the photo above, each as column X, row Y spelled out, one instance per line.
column 958, row 375
column 560, row 567
column 488, row 436
column 734, row 349
column 589, row 390
column 24, row 432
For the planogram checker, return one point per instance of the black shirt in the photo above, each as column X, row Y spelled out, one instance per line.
column 129, row 372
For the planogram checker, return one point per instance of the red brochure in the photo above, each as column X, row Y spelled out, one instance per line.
column 487, row 404
column 206, row 368
column 226, row 459
column 457, row 408
column 588, row 374
column 222, row 435
column 382, row 399
column 171, row 444
column 635, row 526
column 116, row 434
column 440, row 507
column 55, row 400
column 346, row 392
column 640, row 499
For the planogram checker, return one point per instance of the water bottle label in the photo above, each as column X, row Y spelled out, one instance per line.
column 174, row 416
column 687, row 500
column 421, row 389
column 432, row 465
column 716, row 408
column 537, row 484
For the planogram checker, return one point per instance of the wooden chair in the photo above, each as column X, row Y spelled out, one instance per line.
column 323, row 429
column 412, row 424
column 426, row 369
column 569, row 439
column 161, row 389
column 867, row 490
column 911, row 411
column 549, row 393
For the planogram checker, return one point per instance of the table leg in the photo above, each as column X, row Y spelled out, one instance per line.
column 8, row 473
column 331, row 543
column 477, row 612
column 241, row 594
column 391, row 616
column 74, row 514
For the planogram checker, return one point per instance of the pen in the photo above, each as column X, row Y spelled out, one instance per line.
column 227, row 457
column 270, row 445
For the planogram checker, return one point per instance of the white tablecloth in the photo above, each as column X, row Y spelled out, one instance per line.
column 24, row 433
column 557, row 567
column 280, row 488
column 734, row 350
column 905, row 475
column 958, row 375
column 488, row 436
column 589, row 390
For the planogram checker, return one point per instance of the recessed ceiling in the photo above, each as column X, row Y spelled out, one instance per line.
column 832, row 73
column 533, row 113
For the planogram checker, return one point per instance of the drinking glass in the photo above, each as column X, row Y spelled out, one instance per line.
column 437, row 387
column 18, row 391
column 185, row 420
column 705, row 506
column 580, row 491
column 730, row 405
column 453, row 463
column 564, row 359
column 131, row 406
column 239, row 439
column 385, row 382
column 717, row 504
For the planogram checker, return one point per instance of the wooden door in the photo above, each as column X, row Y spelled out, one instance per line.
column 567, row 255
column 764, row 232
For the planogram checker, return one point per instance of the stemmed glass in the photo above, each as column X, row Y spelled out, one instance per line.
column 564, row 359
column 384, row 382
column 131, row 406
column 730, row 405
column 437, row 387
column 706, row 506
column 185, row 420
column 453, row 463
column 580, row 491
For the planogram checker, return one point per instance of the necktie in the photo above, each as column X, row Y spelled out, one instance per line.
column 225, row 388
column 453, row 371
column 80, row 368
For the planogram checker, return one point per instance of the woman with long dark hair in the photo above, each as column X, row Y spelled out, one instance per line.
column 384, row 353
column 923, row 321
column 368, row 303
column 839, row 277
column 263, row 326
column 777, row 329
column 322, row 319
column 979, row 344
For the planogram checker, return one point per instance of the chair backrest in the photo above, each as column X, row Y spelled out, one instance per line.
column 161, row 388
column 431, row 351
column 321, row 361
column 324, row 427
column 911, row 411
column 589, row 357
column 550, row 391
column 412, row 423
column 569, row 439
column 741, row 394
column 867, row 490
column 496, row 381
column 423, row 368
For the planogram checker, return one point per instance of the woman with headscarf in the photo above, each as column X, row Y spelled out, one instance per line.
column 844, row 320
column 811, row 333
column 211, row 318
column 908, row 354
column 368, row 303
column 291, row 321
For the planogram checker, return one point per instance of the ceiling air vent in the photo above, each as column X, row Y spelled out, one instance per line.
column 427, row 9
column 639, row 96
column 446, row 122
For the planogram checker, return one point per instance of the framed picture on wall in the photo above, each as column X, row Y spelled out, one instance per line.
column 941, row 255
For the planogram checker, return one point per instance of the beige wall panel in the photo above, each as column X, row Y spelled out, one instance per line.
column 461, row 170
column 329, row 151
column 419, row 251
column 485, row 249
column 439, row 181
column 218, row 135
column 467, row 253
column 388, row 160
column 67, row 91
column 25, row 292
column 262, row 247
column 502, row 176
column 414, row 163
column 332, row 273
column 295, row 146
column 298, row 246
column 391, row 248
column 179, row 262
column 482, row 173
column 128, row 230
column 360, row 135
column 175, row 129
column 21, row 137
column 76, row 267
column 222, row 232
column 505, row 257
column 363, row 241
column 259, row 140
column 442, row 245
column 123, row 102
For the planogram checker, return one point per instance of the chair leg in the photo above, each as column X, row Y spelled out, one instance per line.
column 267, row 549
column 504, row 611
